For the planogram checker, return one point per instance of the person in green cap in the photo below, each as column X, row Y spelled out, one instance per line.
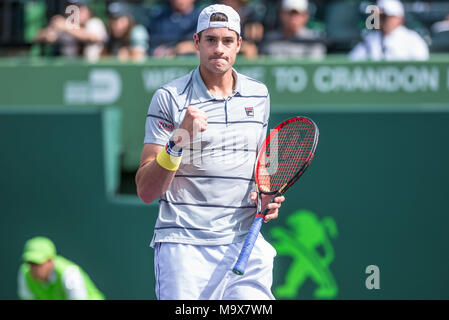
column 46, row 276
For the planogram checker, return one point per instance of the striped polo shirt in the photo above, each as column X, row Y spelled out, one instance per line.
column 208, row 201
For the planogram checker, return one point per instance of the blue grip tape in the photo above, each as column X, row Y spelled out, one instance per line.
column 248, row 245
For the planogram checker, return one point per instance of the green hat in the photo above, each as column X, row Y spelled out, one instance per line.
column 38, row 250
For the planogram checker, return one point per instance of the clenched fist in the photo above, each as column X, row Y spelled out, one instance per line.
column 195, row 120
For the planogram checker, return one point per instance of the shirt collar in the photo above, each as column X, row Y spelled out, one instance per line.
column 51, row 278
column 398, row 31
column 200, row 89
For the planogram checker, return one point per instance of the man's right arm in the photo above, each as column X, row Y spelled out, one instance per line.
column 152, row 180
column 22, row 291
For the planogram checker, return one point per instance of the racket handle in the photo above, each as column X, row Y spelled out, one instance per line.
column 248, row 245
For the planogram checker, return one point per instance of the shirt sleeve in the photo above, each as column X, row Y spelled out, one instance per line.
column 420, row 49
column 159, row 124
column 74, row 284
column 359, row 52
column 22, row 290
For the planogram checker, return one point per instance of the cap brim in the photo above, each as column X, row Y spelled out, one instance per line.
column 299, row 10
column 35, row 257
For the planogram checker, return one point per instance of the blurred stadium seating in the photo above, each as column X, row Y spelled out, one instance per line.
column 342, row 20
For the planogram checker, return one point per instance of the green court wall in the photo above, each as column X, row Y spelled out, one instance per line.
column 382, row 178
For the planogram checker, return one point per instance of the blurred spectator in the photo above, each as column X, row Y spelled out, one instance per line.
column 441, row 26
column 343, row 21
column 393, row 41
column 293, row 39
column 87, row 39
column 127, row 40
column 44, row 275
column 252, row 29
column 172, row 28
column 270, row 10
column 440, row 36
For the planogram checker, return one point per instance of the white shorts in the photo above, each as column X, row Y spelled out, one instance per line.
column 197, row 272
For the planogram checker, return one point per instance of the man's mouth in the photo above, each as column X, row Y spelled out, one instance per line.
column 219, row 58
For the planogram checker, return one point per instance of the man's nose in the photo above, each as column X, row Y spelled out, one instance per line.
column 219, row 47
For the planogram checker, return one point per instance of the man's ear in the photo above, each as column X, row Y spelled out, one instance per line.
column 239, row 44
column 196, row 40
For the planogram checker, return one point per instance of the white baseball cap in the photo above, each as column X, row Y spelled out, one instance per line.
column 391, row 7
column 204, row 22
column 298, row 5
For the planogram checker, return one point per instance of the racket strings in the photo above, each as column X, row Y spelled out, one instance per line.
column 286, row 153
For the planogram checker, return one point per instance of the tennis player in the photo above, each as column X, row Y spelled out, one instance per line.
column 44, row 275
column 202, row 135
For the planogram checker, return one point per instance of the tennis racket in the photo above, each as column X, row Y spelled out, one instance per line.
column 284, row 157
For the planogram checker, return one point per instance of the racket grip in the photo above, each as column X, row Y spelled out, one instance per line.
column 240, row 265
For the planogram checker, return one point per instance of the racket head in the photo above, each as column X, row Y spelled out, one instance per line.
column 286, row 154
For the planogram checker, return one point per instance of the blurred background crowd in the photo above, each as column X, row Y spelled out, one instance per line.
column 138, row 29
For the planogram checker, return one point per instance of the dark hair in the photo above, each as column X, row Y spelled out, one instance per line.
column 218, row 16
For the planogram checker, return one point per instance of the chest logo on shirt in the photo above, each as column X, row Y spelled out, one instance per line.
column 166, row 126
column 249, row 111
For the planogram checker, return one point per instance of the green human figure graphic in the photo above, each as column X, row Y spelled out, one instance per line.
column 306, row 233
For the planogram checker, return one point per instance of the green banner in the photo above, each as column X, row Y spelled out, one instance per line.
column 295, row 86
column 367, row 220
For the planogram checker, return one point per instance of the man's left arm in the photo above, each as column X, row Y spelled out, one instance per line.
column 74, row 284
column 93, row 32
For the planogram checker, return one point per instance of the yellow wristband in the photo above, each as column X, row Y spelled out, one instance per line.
column 168, row 161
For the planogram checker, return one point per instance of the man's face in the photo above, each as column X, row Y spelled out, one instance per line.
column 293, row 20
column 84, row 15
column 41, row 272
column 389, row 23
column 218, row 48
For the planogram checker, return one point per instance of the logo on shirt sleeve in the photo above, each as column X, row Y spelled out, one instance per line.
column 165, row 125
column 249, row 111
